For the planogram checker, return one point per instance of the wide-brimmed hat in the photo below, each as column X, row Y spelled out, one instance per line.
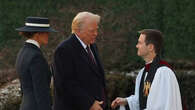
column 36, row 24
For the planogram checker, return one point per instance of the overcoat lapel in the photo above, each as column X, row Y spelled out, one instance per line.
column 96, row 55
column 83, row 54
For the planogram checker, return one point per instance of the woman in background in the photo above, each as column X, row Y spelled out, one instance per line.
column 32, row 67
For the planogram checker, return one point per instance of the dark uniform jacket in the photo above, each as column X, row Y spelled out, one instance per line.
column 34, row 77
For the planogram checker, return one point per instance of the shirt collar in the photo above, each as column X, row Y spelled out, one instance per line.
column 149, row 62
column 82, row 43
column 33, row 42
column 147, row 65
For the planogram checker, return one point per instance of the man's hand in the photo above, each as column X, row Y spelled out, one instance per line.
column 97, row 105
column 118, row 101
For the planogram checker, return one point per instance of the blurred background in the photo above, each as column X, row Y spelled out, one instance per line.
column 120, row 22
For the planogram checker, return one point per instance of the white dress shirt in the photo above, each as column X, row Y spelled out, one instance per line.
column 84, row 45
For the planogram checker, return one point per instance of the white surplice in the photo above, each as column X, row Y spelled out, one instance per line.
column 164, row 92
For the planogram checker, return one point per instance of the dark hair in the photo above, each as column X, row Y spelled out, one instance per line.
column 27, row 34
column 154, row 37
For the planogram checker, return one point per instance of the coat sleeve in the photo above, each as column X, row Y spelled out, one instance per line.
column 164, row 93
column 41, row 82
column 133, row 100
column 65, row 78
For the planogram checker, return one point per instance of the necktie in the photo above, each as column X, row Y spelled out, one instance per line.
column 93, row 60
column 90, row 55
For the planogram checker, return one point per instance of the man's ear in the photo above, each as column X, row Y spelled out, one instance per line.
column 151, row 47
column 77, row 32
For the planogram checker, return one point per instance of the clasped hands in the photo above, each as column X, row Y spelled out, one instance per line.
column 97, row 105
column 118, row 101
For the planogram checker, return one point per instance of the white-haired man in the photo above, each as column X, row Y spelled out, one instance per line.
column 79, row 75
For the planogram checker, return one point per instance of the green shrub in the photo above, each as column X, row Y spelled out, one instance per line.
column 123, row 86
column 12, row 104
column 120, row 21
